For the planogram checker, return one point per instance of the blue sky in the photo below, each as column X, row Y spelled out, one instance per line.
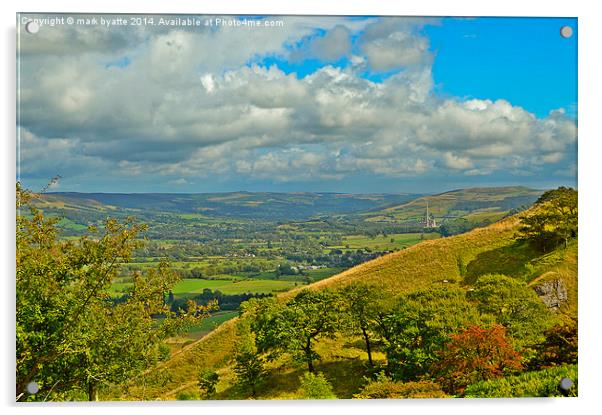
column 523, row 60
column 363, row 104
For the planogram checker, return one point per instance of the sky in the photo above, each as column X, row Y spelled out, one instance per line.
column 297, row 103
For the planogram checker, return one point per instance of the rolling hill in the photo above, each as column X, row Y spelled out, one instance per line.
column 474, row 204
column 247, row 205
column 491, row 249
column 478, row 205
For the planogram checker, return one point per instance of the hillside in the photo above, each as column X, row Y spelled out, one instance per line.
column 443, row 262
column 476, row 204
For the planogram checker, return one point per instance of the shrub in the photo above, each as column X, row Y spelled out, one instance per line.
column 529, row 384
column 164, row 352
column 187, row 396
column 385, row 388
column 315, row 386
column 559, row 348
column 207, row 381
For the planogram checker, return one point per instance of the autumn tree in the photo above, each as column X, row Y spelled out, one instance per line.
column 72, row 335
column 475, row 354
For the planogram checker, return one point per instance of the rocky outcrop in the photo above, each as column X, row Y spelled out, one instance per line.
column 552, row 292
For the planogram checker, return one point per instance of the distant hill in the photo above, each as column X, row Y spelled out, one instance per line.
column 475, row 204
column 247, row 205
column 492, row 249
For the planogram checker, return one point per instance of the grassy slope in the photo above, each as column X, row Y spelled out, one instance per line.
column 444, row 203
column 490, row 249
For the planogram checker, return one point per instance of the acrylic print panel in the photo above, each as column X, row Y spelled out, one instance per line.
column 295, row 207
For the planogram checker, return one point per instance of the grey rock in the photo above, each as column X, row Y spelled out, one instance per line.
column 553, row 293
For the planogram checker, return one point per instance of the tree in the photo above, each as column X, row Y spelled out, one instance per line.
column 361, row 303
column 454, row 226
column 250, row 370
column 420, row 326
column 553, row 221
column 72, row 336
column 475, row 354
column 294, row 326
column 315, row 386
column 514, row 305
column 560, row 347
column 250, row 364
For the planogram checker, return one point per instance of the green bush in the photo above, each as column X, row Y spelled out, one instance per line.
column 187, row 396
column 529, row 384
column 315, row 386
column 164, row 352
column 207, row 381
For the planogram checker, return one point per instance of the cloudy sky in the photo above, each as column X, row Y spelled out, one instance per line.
column 343, row 104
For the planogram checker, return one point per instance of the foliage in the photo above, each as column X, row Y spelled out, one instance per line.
column 208, row 380
column 362, row 304
column 554, row 221
column 294, row 326
column 528, row 384
column 70, row 335
column 187, row 395
column 560, row 347
column 474, row 354
column 164, row 352
column 383, row 387
column 225, row 301
column 455, row 227
column 514, row 305
column 420, row 326
column 250, row 364
column 315, row 386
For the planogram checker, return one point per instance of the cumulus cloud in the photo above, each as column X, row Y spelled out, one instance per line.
column 189, row 104
column 393, row 43
column 333, row 45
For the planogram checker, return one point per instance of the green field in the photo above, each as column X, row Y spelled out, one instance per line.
column 190, row 287
column 211, row 323
column 385, row 243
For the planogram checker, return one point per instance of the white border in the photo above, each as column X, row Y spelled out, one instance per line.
column 589, row 187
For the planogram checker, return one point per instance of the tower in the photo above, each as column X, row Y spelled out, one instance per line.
column 428, row 221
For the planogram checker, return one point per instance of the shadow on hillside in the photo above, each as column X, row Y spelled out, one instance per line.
column 345, row 376
column 509, row 260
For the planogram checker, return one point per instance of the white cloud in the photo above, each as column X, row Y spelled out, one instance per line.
column 189, row 105
column 393, row 43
